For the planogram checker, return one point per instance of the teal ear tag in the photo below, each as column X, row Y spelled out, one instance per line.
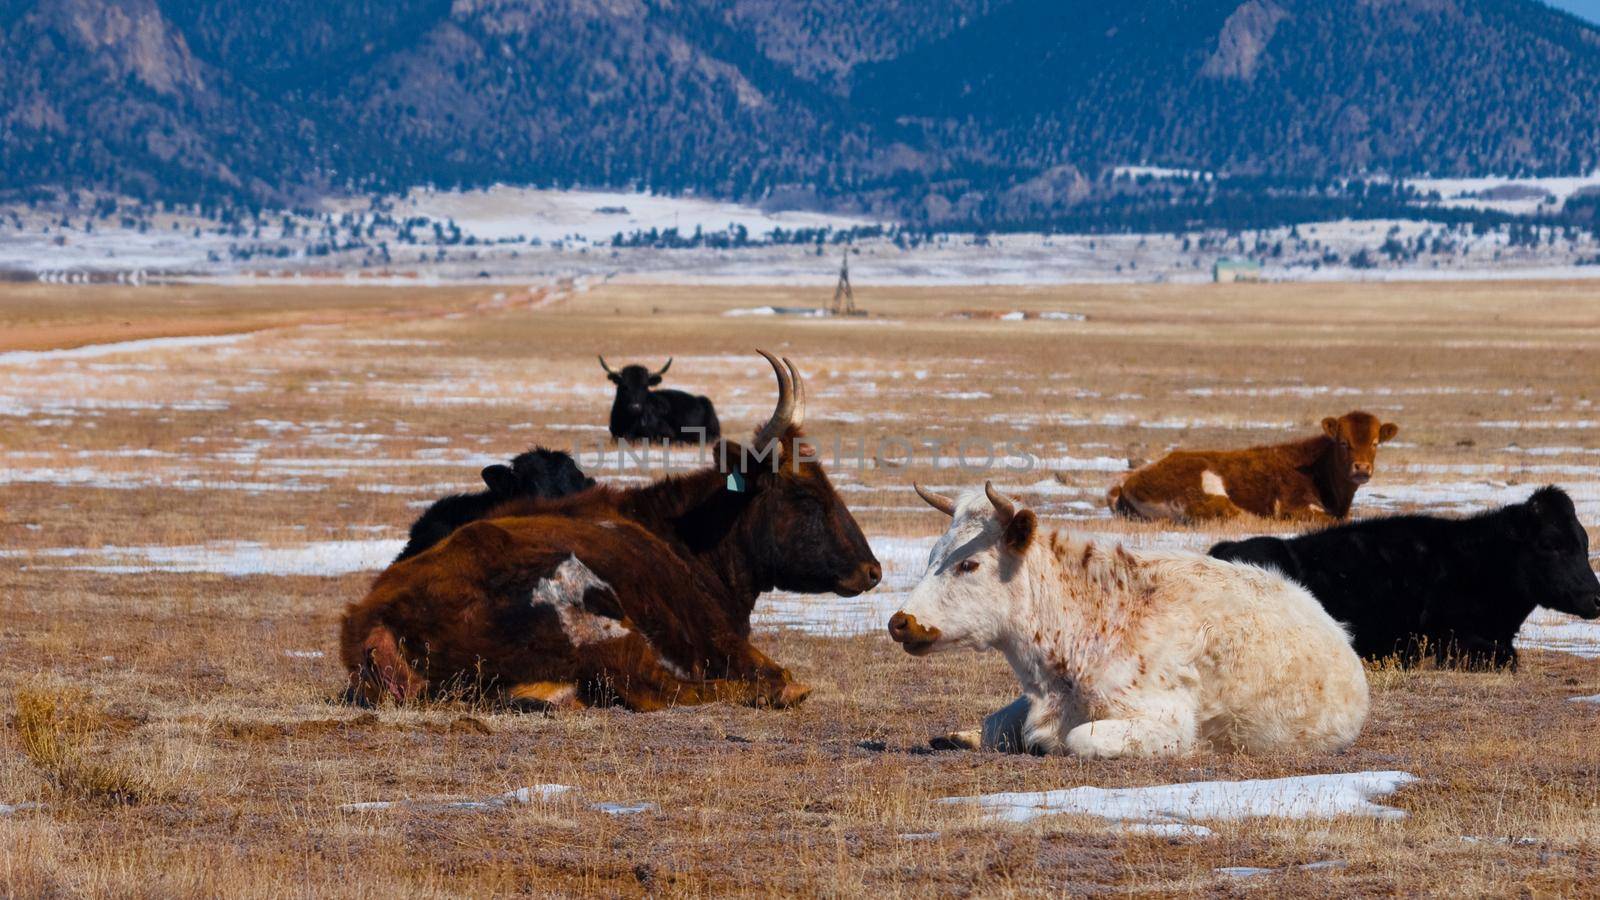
column 736, row 482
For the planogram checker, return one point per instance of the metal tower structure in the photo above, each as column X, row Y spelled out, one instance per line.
column 844, row 299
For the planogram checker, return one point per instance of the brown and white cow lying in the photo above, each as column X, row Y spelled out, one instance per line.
column 1125, row 653
column 1311, row 479
column 639, row 596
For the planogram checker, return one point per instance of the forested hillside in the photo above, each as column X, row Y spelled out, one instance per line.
column 985, row 111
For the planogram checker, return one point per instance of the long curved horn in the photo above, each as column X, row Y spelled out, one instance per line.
column 799, row 395
column 663, row 369
column 937, row 501
column 1003, row 505
column 606, row 367
column 784, row 413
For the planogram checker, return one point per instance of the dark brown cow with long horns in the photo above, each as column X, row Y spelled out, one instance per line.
column 638, row 596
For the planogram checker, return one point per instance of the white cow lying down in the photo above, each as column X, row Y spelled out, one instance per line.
column 1124, row 653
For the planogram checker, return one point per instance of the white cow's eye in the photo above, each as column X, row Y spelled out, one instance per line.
column 966, row 565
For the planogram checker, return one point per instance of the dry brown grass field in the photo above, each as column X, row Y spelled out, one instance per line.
column 181, row 525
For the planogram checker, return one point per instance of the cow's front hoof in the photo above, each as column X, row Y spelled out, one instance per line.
column 789, row 695
column 544, row 697
column 792, row 695
column 957, row 740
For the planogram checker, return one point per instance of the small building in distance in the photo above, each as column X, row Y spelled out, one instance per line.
column 1226, row 271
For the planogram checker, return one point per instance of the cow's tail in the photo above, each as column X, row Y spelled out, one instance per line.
column 377, row 663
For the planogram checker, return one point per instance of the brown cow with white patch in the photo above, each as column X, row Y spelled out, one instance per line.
column 1311, row 479
column 638, row 596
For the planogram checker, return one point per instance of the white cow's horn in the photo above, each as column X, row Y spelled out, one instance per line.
column 937, row 501
column 1002, row 504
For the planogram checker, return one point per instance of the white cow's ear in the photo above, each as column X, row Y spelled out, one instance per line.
column 1019, row 531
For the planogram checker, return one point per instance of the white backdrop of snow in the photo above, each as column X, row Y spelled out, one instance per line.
column 538, row 793
column 553, row 215
column 1176, row 808
column 95, row 351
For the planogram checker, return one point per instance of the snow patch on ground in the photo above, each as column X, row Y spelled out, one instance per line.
column 1592, row 698
column 223, row 558
column 625, row 809
column 1161, row 173
column 94, row 351
column 1544, row 425
column 797, row 312
column 520, row 796
column 1176, row 424
column 1550, row 630
column 1081, row 464
column 392, row 342
column 538, row 793
column 12, row 405
column 84, row 476
column 1517, row 196
column 1500, row 469
column 1551, row 451
column 1305, row 390
column 1461, row 497
column 1180, row 806
column 502, row 212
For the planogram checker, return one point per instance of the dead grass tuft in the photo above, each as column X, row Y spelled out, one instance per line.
column 57, row 728
column 1388, row 674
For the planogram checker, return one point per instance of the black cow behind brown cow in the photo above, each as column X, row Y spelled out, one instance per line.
column 536, row 473
column 639, row 596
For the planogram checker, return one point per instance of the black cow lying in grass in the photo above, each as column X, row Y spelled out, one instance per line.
column 537, row 473
column 1456, row 589
column 640, row 412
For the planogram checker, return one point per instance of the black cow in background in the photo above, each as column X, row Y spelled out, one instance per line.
column 641, row 414
column 1455, row 589
column 537, row 473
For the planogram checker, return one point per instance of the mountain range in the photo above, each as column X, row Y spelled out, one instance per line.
column 928, row 110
